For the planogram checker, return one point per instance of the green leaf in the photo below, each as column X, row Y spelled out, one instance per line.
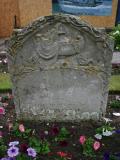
column 23, row 157
column 64, row 133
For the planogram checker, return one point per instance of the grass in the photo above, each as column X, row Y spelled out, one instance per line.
column 5, row 82
column 114, row 83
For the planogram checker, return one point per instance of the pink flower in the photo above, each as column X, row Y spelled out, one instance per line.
column 2, row 111
column 62, row 154
column 21, row 128
column 96, row 145
column 82, row 139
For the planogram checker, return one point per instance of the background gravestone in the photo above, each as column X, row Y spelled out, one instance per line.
column 59, row 66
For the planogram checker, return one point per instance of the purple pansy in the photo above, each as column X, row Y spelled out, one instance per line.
column 13, row 151
column 9, row 158
column 14, row 143
column 106, row 156
column 117, row 131
column 31, row 152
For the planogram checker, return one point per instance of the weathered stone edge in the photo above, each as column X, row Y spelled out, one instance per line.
column 18, row 37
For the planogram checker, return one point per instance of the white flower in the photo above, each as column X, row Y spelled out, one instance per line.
column 98, row 136
column 5, row 60
column 46, row 132
column 14, row 143
column 117, row 47
column 107, row 133
column 107, row 119
column 116, row 32
column 116, row 114
column 117, row 97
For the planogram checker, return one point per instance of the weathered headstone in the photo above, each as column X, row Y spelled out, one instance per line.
column 59, row 66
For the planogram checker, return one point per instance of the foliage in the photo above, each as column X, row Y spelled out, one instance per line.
column 23, row 157
column 39, row 145
column 43, row 147
column 112, row 157
column 3, row 147
column 115, row 104
column 115, row 34
column 16, row 132
column 105, row 127
column 63, row 134
column 87, row 148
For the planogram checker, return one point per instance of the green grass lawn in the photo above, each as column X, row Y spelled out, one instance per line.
column 114, row 83
column 5, row 82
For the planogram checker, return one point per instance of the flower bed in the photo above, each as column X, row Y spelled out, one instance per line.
column 87, row 140
column 115, row 34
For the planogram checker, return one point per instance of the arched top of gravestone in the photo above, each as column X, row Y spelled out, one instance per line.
column 19, row 37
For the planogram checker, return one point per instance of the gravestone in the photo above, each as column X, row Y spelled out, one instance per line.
column 59, row 67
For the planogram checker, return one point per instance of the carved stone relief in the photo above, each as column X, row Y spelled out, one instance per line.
column 59, row 66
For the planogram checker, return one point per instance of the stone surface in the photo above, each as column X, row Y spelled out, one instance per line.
column 60, row 67
column 116, row 58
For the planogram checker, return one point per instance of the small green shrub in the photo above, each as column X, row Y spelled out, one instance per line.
column 115, row 104
column 40, row 146
column 3, row 147
column 115, row 34
column 64, row 134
